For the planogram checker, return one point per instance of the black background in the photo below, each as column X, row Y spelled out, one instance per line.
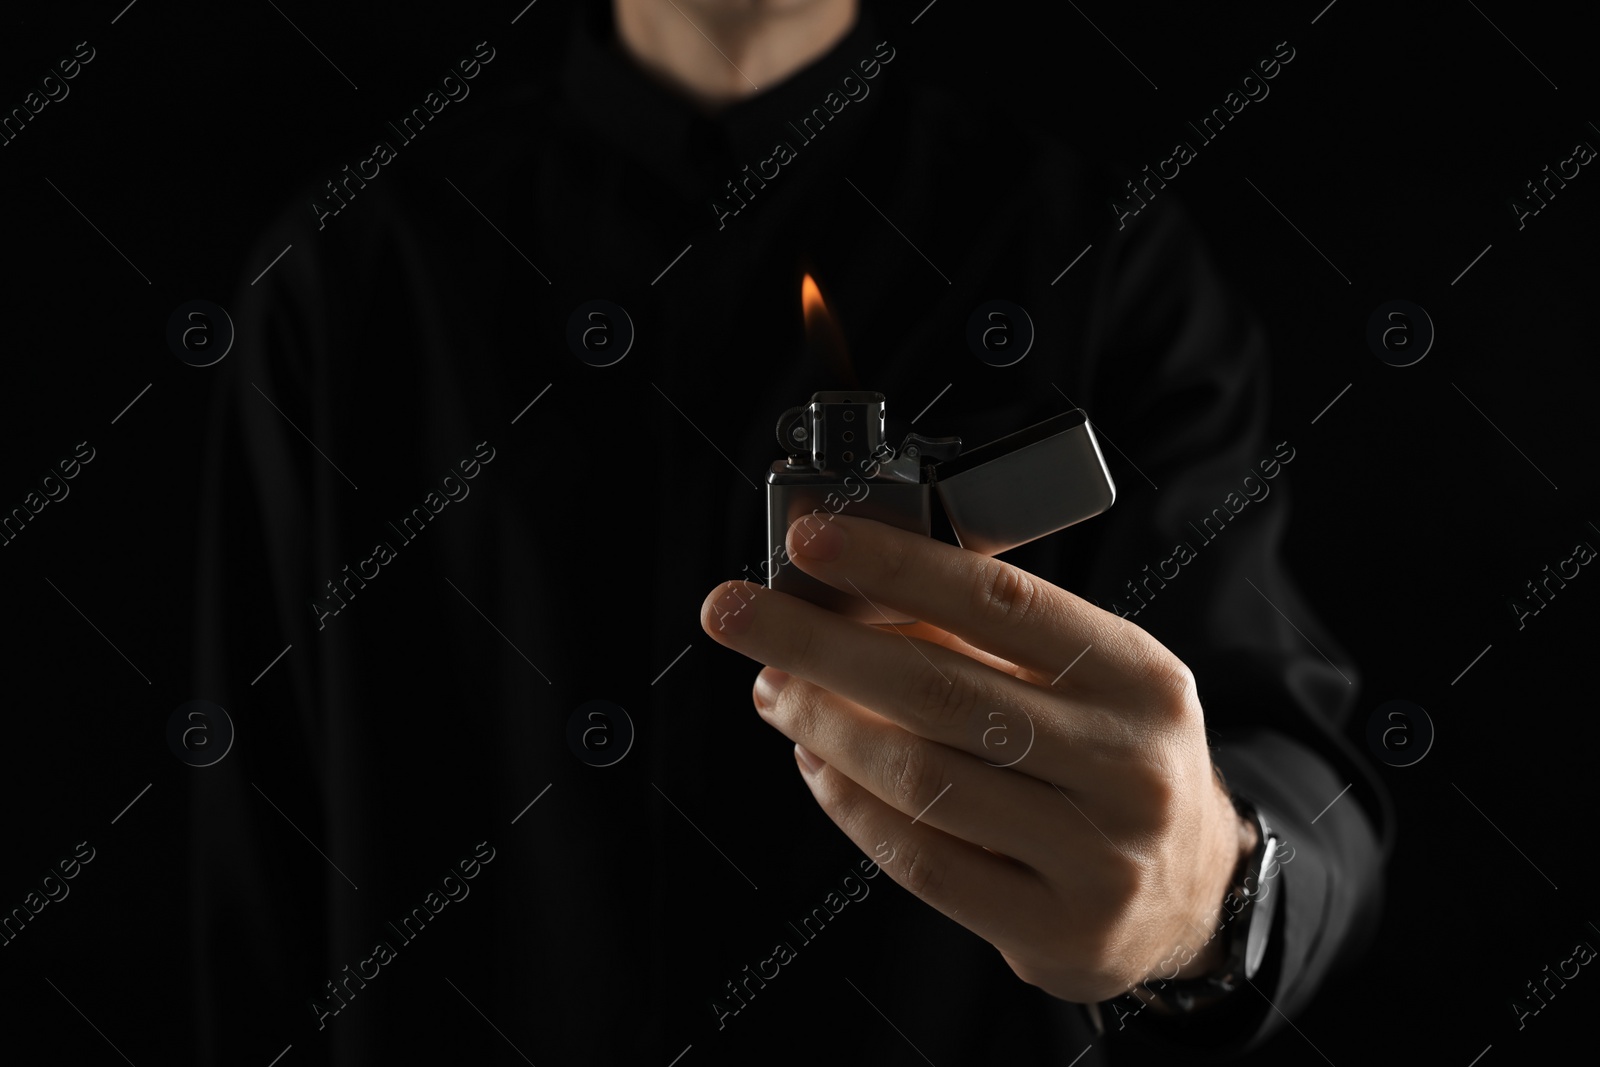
column 1394, row 141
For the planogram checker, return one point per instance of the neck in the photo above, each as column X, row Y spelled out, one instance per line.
column 720, row 51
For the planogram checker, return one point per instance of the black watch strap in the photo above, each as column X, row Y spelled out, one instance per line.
column 1248, row 911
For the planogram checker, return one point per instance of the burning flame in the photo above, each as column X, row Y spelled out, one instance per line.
column 823, row 336
column 811, row 302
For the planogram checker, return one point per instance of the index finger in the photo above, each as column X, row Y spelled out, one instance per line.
column 991, row 604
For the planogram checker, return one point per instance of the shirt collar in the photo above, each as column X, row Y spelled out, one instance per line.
column 693, row 150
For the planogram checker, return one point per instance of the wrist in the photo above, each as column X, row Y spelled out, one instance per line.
column 1209, row 981
column 1239, row 843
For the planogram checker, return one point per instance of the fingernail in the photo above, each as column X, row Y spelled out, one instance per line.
column 819, row 541
column 732, row 610
column 808, row 761
column 769, row 683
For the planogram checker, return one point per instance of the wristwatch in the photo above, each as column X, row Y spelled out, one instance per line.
column 1248, row 910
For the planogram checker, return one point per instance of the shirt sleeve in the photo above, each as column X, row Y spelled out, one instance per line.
column 259, row 488
column 1193, row 552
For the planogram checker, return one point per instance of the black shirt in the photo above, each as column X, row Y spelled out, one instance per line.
column 558, row 554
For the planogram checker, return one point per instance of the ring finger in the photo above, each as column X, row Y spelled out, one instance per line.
column 954, row 791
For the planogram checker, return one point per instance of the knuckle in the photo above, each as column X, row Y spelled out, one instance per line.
column 795, row 709
column 1005, row 593
column 911, row 776
column 1181, row 679
column 923, row 876
column 1126, row 881
column 808, row 647
column 1173, row 684
column 1159, row 796
column 945, row 701
column 839, row 802
column 1164, row 795
column 892, row 559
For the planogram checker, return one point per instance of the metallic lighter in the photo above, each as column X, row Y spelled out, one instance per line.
column 1003, row 494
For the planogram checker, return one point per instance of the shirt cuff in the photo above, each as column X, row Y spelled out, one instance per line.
column 1331, row 895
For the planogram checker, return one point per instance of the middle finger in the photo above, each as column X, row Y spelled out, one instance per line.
column 1012, row 814
column 933, row 692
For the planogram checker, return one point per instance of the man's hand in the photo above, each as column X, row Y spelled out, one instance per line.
column 1028, row 764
